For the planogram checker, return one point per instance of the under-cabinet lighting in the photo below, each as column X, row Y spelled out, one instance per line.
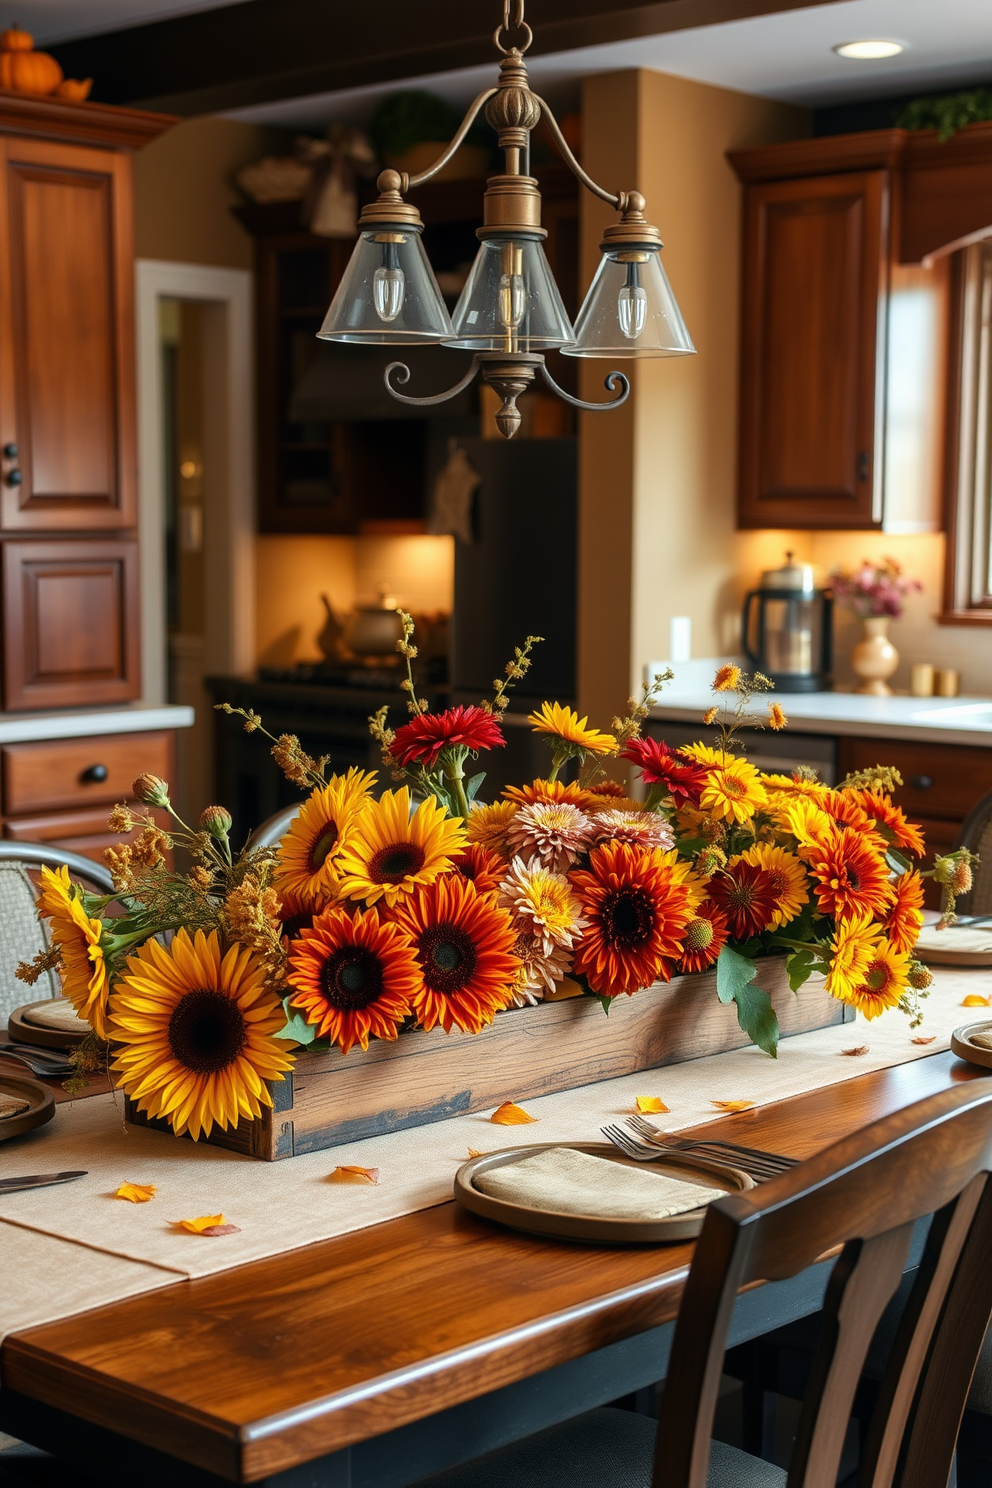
column 870, row 50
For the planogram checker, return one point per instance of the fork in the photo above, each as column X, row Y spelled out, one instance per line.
column 733, row 1149
column 642, row 1151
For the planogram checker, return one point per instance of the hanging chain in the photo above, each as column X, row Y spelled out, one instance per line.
column 513, row 20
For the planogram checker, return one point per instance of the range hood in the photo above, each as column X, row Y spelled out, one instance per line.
column 345, row 382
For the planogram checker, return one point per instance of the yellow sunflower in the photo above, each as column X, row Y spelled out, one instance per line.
column 733, row 790
column 487, row 825
column 195, row 1028
column 309, row 852
column 704, row 755
column 883, row 982
column 790, row 881
column 681, row 870
column 84, row 970
column 802, row 818
column 851, row 952
column 389, row 852
column 566, row 725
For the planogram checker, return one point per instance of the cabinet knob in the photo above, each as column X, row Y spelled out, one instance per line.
column 10, row 451
column 921, row 782
column 94, row 775
column 14, row 477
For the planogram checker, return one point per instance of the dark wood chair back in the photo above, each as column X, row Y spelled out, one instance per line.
column 976, row 834
column 863, row 1194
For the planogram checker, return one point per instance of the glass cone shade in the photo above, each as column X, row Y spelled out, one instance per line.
column 630, row 310
column 388, row 295
column 511, row 301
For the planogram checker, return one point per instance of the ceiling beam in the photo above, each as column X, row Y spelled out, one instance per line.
column 264, row 51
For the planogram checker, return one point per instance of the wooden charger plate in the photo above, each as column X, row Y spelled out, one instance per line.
column 721, row 1177
column 962, row 1046
column 41, row 1109
column 20, row 1031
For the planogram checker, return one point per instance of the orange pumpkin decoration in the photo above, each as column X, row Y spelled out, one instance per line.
column 75, row 89
column 23, row 70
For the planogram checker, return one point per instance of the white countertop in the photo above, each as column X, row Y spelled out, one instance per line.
column 960, row 720
column 130, row 718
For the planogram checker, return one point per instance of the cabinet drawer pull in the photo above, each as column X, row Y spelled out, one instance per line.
column 94, row 775
column 14, row 478
column 920, row 782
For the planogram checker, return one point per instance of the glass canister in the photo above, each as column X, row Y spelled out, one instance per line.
column 786, row 628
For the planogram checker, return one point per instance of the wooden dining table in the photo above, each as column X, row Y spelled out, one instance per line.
column 393, row 1352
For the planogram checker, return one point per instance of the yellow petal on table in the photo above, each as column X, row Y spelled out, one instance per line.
column 511, row 1115
column 920, row 1039
column 354, row 1175
column 136, row 1193
column 650, row 1105
column 207, row 1224
column 973, row 1000
column 857, row 1049
column 731, row 1106
column 474, row 1152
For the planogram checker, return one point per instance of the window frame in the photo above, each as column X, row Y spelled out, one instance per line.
column 968, row 563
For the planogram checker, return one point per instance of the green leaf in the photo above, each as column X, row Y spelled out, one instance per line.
column 690, row 846
column 474, row 785
column 296, row 1026
column 733, row 973
column 607, row 1003
column 799, row 967
column 734, row 977
column 897, row 861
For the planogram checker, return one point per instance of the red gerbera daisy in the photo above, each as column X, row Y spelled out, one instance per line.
column 746, row 895
column 463, row 945
column 636, row 911
column 682, row 778
column 705, row 937
column 851, row 876
column 424, row 738
column 481, row 866
column 353, row 977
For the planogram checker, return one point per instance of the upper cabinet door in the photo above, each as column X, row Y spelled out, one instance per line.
column 66, row 338
column 814, row 286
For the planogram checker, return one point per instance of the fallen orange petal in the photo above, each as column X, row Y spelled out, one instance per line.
column 648, row 1104
column 921, row 1040
column 739, row 1105
column 511, row 1115
column 136, row 1193
column 973, row 1000
column 354, row 1175
column 201, row 1226
column 858, row 1049
column 474, row 1152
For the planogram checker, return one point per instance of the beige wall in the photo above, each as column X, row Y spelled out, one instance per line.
column 657, row 483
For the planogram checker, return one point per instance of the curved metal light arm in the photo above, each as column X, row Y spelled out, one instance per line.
column 403, row 375
column 463, row 129
column 613, row 381
column 570, row 160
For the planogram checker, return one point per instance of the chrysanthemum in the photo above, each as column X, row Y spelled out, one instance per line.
column 540, row 970
column 426, row 736
column 789, row 882
column 480, row 866
column 682, row 778
column 310, row 850
column 884, row 981
column 745, row 893
column 705, row 937
column 553, row 832
column 195, row 1032
column 84, row 970
column 733, row 791
column 637, row 913
column 850, row 875
column 542, row 905
column 353, row 977
column 463, row 949
column 892, row 822
column 389, row 852
column 851, row 952
column 549, row 790
column 487, row 825
column 903, row 920
column 566, row 725
column 647, row 827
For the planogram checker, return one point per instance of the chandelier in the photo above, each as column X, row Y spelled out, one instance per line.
column 510, row 312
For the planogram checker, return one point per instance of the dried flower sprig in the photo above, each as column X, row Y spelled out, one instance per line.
column 298, row 767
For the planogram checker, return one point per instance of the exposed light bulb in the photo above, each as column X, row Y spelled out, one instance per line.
column 512, row 300
column 632, row 304
column 388, row 284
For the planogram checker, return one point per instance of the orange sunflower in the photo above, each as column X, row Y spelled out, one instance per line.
column 390, row 852
column 308, row 854
column 903, row 920
column 745, row 893
column 892, row 822
column 463, row 947
column 850, row 875
column 844, row 810
column 789, row 881
column 637, row 912
column 705, row 937
column 78, row 937
column 353, row 977
column 480, row 866
column 884, row 981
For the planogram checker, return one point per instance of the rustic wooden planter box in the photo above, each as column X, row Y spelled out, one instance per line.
column 421, row 1077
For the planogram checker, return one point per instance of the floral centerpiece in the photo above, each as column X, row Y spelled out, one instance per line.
column 424, row 907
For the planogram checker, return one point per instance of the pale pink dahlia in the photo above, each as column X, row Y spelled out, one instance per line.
column 554, row 832
column 648, row 828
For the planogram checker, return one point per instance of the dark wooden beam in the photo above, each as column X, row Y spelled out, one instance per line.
column 265, row 50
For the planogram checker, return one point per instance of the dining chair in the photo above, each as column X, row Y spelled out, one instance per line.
column 976, row 834
column 863, row 1196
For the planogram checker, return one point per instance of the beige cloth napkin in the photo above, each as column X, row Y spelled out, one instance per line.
column 58, row 1014
column 942, row 946
column 565, row 1181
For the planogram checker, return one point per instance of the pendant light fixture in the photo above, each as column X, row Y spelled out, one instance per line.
column 510, row 312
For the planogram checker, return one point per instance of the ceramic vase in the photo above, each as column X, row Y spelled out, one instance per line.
column 874, row 658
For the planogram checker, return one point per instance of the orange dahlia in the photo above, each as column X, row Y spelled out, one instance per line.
column 746, row 894
column 705, row 937
column 463, row 948
column 849, row 873
column 903, row 920
column 548, row 790
column 637, row 911
column 892, row 822
column 480, row 866
column 353, row 977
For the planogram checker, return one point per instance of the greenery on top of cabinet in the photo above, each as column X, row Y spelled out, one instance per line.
column 947, row 113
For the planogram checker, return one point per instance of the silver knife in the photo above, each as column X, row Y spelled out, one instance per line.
column 38, row 1180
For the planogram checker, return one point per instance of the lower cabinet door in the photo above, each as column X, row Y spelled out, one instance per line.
column 70, row 622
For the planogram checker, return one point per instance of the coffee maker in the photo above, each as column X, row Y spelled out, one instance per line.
column 786, row 628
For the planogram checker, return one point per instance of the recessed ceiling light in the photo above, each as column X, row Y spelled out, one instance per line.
column 870, row 51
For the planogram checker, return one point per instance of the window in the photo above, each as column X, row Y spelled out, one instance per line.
column 968, row 582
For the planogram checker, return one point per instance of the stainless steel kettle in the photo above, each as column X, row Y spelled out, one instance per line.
column 786, row 628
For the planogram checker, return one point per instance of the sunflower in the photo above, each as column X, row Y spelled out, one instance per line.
column 851, row 876
column 733, row 790
column 745, row 893
column 295, row 915
column 549, row 790
column 892, row 822
column 195, row 1029
column 481, row 866
column 84, row 970
column 844, row 811
column 463, row 949
column 353, row 977
column 903, row 920
column 308, row 855
column 884, row 982
column 568, row 729
column 389, row 852
column 789, row 882
column 704, row 754
column 487, row 825
column 794, row 785
column 705, row 937
column 552, row 831
column 637, row 912
column 851, row 953
column 803, row 818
